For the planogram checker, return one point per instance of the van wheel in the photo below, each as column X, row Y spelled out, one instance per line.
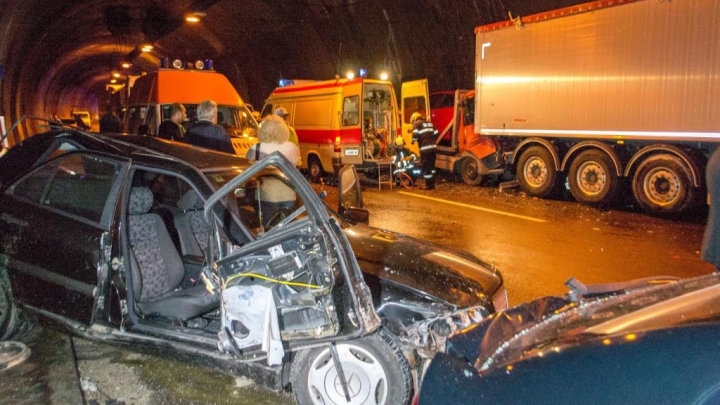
column 315, row 169
column 536, row 172
column 375, row 369
column 469, row 171
column 12, row 323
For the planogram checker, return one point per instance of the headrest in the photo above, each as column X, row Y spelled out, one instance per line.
column 190, row 201
column 141, row 200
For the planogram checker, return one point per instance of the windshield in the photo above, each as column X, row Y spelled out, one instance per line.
column 235, row 119
column 624, row 315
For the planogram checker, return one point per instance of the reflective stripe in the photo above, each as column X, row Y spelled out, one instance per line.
column 426, row 130
column 428, row 147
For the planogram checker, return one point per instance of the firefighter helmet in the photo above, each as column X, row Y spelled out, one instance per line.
column 399, row 141
column 415, row 117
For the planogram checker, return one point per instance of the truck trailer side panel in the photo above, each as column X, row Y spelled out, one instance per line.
column 642, row 70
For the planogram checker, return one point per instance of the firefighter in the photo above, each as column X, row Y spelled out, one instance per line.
column 425, row 134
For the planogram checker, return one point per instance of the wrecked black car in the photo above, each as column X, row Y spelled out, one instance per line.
column 650, row 341
column 187, row 251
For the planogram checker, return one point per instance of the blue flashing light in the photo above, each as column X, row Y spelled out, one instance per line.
column 208, row 65
column 363, row 72
column 164, row 63
column 285, row 82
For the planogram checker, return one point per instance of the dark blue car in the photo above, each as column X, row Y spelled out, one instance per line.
column 654, row 344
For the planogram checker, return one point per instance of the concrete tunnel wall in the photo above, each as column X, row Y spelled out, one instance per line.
column 59, row 54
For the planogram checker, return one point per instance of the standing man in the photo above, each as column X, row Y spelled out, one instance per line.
column 711, row 239
column 206, row 132
column 110, row 122
column 282, row 112
column 172, row 129
column 425, row 134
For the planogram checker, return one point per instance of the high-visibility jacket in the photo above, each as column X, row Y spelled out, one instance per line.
column 425, row 134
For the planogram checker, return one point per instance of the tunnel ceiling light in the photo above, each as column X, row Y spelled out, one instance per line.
column 113, row 81
column 126, row 65
column 147, row 48
column 192, row 19
column 116, row 75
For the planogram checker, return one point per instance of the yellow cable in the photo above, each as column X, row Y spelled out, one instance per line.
column 270, row 279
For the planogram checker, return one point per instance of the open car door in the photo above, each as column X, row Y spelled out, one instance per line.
column 297, row 281
column 415, row 98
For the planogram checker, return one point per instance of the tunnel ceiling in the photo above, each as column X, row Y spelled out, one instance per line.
column 61, row 53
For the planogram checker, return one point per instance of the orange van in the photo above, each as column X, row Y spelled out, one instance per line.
column 151, row 96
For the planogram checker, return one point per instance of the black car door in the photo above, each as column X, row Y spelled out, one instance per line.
column 299, row 259
column 55, row 234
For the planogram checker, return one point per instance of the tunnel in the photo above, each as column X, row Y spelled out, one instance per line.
column 56, row 56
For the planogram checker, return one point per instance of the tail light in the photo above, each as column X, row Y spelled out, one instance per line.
column 336, row 145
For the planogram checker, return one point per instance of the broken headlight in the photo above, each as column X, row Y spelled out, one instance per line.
column 458, row 321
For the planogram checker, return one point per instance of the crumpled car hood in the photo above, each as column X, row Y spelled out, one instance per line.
column 552, row 323
column 447, row 274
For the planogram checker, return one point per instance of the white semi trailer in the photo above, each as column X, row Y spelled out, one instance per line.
column 597, row 97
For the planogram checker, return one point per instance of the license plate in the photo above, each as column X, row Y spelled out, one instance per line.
column 352, row 152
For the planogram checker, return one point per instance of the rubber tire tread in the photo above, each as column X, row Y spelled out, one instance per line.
column 463, row 166
column 683, row 202
column 311, row 161
column 399, row 392
column 610, row 193
column 12, row 322
column 550, row 187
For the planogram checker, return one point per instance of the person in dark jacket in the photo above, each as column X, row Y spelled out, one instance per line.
column 425, row 134
column 206, row 132
column 172, row 129
column 711, row 239
column 110, row 122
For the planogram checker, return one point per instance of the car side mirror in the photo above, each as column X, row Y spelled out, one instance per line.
column 357, row 215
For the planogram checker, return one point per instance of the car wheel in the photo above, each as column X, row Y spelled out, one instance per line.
column 536, row 172
column 593, row 179
column 12, row 324
column 375, row 369
column 469, row 171
column 315, row 169
column 663, row 185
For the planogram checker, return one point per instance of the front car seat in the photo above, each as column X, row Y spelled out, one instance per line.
column 157, row 268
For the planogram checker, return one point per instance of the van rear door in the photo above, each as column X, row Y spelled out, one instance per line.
column 414, row 98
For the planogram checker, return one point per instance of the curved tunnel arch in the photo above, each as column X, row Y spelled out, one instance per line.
column 61, row 53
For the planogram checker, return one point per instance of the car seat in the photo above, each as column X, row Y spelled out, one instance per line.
column 157, row 268
column 192, row 229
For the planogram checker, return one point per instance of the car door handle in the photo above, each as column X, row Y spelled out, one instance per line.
column 12, row 220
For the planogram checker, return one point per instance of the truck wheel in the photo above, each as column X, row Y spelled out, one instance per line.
column 315, row 169
column 469, row 171
column 663, row 185
column 375, row 369
column 536, row 172
column 593, row 179
column 12, row 323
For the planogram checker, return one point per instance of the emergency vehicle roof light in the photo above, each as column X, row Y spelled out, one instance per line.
column 350, row 75
column 286, row 82
column 177, row 64
column 199, row 65
column 384, row 76
column 209, row 64
column 363, row 72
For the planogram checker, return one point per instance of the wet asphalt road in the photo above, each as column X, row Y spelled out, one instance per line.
column 536, row 244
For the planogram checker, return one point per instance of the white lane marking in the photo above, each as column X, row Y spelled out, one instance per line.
column 507, row 214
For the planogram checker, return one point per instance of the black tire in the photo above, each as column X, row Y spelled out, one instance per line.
column 469, row 171
column 12, row 324
column 377, row 371
column 593, row 179
column 663, row 185
column 315, row 169
column 536, row 172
